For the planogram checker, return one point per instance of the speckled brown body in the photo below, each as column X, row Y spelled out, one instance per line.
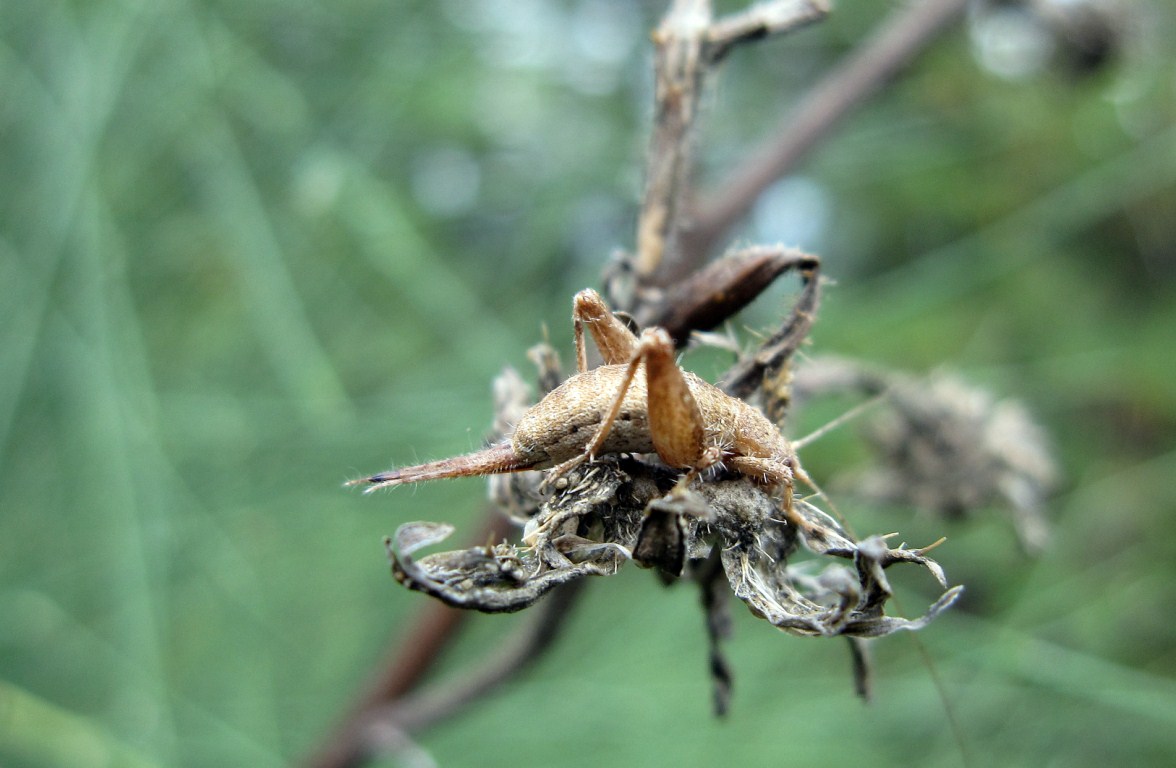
column 560, row 427
column 639, row 401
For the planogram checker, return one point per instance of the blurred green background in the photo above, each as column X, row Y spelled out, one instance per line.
column 251, row 249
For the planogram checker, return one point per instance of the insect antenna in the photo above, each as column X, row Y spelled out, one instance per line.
column 833, row 424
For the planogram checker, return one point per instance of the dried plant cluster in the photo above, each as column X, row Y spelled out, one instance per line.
column 766, row 537
column 593, row 517
column 940, row 446
column 943, row 446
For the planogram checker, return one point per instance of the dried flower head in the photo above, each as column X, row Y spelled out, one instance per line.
column 951, row 448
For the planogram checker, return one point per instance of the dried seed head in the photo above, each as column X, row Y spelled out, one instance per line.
column 951, row 449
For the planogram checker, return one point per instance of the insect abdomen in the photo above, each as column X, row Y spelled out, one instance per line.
column 561, row 425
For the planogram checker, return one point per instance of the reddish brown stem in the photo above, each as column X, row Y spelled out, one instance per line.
column 412, row 656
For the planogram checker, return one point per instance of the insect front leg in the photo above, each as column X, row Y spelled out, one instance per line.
column 616, row 342
column 675, row 421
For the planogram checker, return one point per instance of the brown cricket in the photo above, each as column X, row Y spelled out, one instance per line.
column 688, row 422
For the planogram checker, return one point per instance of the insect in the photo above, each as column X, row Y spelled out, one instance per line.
column 638, row 401
column 741, row 527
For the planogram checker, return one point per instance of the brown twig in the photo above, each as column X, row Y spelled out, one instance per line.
column 418, row 711
column 688, row 44
column 386, row 722
column 412, row 656
column 909, row 30
column 678, row 64
column 759, row 21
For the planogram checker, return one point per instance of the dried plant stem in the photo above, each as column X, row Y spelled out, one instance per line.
column 688, row 45
column 432, row 705
column 413, row 654
column 910, row 29
column 383, row 723
column 678, row 42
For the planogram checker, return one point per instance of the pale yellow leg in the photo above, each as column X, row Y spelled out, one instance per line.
column 616, row 342
column 778, row 474
column 615, row 409
column 675, row 422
